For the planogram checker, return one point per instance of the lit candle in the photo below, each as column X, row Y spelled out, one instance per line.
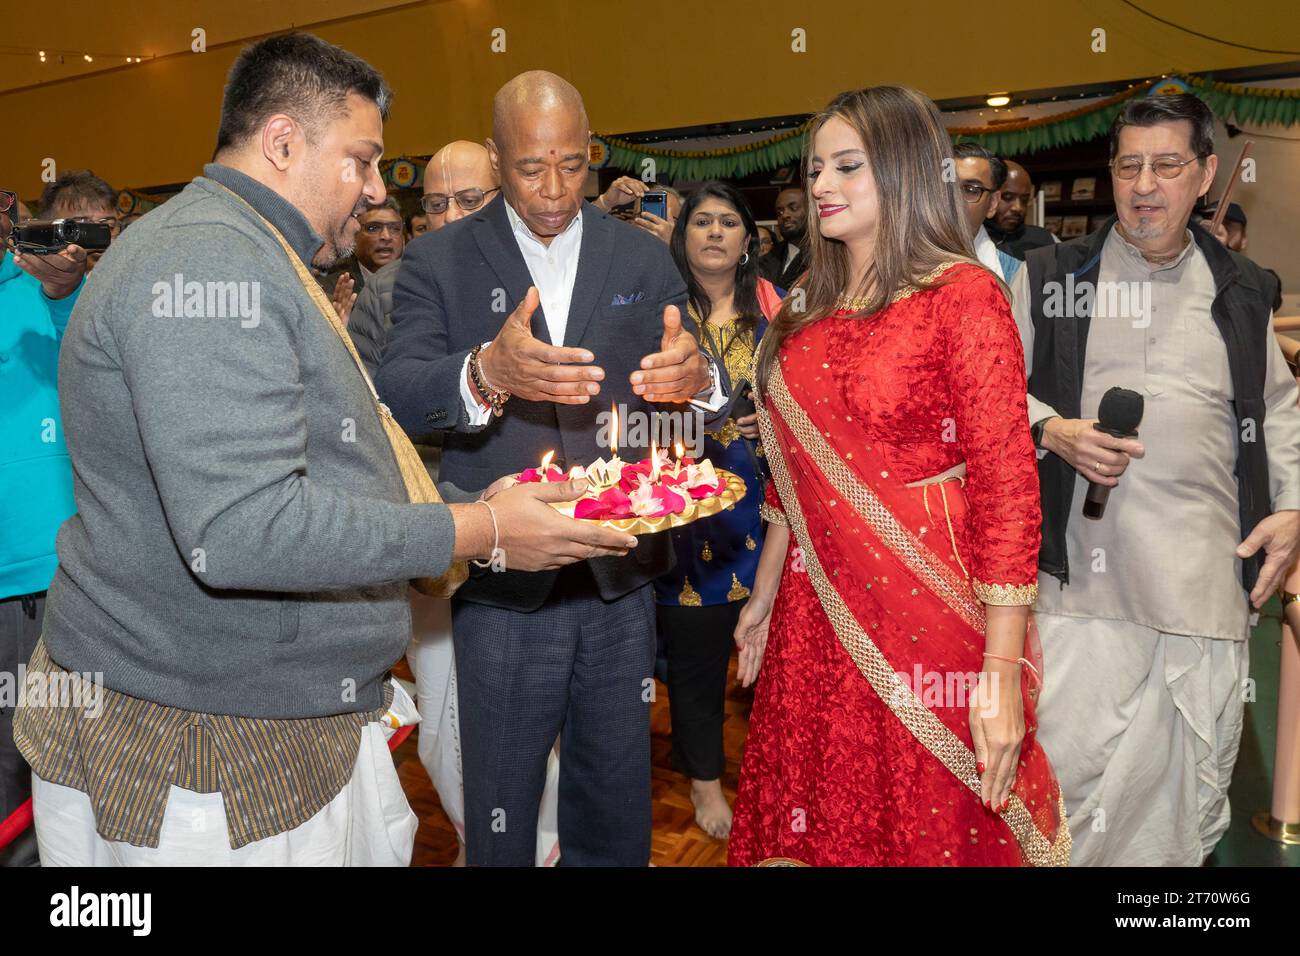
column 654, row 460
column 546, row 464
column 613, row 435
column 679, row 450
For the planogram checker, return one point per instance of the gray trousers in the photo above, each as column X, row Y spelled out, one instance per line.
column 20, row 628
column 579, row 668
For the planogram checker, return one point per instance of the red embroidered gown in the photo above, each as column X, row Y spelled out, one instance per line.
column 841, row 766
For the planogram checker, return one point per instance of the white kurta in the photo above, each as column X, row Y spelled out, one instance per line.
column 1144, row 649
column 433, row 663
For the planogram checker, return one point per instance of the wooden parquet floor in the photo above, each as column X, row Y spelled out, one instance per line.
column 676, row 840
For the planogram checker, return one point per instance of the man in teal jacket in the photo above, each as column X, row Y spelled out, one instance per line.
column 37, row 294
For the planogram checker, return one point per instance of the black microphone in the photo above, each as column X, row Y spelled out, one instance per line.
column 1119, row 415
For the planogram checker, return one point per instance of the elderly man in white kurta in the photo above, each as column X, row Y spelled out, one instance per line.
column 1145, row 627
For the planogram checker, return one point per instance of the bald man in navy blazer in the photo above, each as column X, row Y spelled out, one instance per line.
column 513, row 330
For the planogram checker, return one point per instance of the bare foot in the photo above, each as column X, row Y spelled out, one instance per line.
column 712, row 814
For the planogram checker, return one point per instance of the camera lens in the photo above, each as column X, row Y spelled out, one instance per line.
column 71, row 231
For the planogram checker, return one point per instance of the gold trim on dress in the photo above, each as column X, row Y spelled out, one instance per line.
column 1005, row 595
column 901, row 698
column 772, row 515
column 856, row 303
column 725, row 435
column 689, row 596
column 951, row 586
column 738, row 591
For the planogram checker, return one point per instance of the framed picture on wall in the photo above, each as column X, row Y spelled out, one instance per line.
column 1085, row 187
column 1074, row 226
column 1052, row 224
column 1051, row 191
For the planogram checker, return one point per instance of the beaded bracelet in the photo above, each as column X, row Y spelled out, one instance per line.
column 495, row 398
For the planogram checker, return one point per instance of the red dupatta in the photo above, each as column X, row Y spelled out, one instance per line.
column 897, row 597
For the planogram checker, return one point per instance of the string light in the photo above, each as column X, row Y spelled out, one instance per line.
column 62, row 56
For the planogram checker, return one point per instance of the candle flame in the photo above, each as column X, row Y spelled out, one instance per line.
column 546, row 463
column 613, row 434
column 654, row 460
column 679, row 451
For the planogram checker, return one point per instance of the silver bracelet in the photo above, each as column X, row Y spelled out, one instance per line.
column 496, row 535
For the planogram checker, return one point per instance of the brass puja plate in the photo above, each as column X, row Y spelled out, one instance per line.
column 694, row 510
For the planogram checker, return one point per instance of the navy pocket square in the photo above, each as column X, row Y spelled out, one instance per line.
column 627, row 299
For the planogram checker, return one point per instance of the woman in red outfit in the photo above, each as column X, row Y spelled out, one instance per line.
column 893, row 723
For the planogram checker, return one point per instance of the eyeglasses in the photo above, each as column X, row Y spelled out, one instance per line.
column 1164, row 168
column 973, row 192
column 467, row 199
column 375, row 228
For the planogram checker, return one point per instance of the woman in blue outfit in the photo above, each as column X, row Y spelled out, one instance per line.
column 715, row 245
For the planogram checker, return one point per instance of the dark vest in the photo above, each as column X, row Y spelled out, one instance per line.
column 1241, row 311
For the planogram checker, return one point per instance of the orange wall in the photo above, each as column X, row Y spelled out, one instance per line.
column 676, row 63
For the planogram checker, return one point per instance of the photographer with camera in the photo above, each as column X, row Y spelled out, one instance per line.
column 37, row 293
column 82, row 197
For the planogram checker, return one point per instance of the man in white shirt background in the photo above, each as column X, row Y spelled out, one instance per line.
column 980, row 175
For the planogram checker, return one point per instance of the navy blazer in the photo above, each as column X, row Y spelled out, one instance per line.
column 455, row 288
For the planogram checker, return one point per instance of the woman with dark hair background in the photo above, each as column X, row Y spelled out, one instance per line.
column 715, row 245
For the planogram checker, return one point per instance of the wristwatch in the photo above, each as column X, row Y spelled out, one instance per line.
column 1036, row 429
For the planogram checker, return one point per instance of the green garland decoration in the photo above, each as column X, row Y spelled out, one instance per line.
column 1235, row 103
column 1246, row 104
column 733, row 162
column 1031, row 136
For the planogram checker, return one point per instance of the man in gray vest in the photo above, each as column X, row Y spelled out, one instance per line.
column 1144, row 631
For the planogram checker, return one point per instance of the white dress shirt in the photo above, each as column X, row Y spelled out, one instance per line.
column 791, row 251
column 554, row 269
column 987, row 252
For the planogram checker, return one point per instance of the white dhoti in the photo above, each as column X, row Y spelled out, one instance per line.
column 1142, row 728
column 368, row 823
column 432, row 660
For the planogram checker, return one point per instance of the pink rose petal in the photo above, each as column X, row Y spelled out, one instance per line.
column 706, row 491
column 590, row 508
column 620, row 506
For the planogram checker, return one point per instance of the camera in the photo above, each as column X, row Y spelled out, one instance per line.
column 42, row 237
